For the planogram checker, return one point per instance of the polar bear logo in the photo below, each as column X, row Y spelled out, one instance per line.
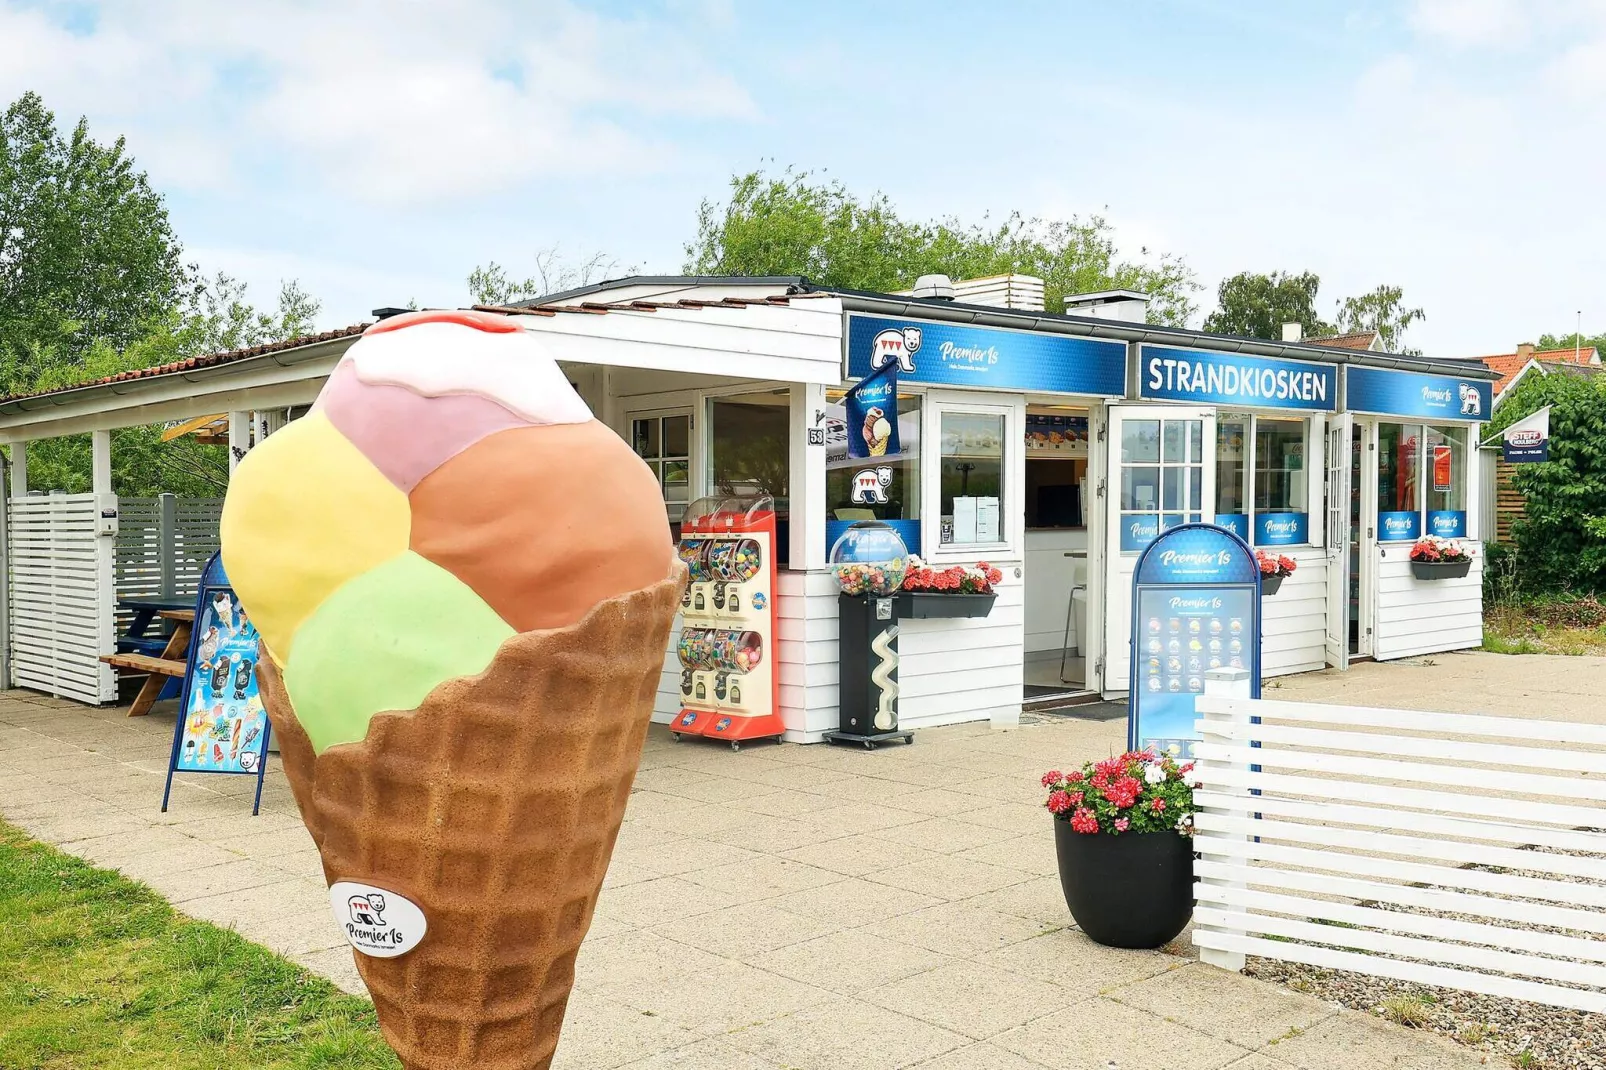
column 367, row 910
column 893, row 344
column 1471, row 401
column 870, row 486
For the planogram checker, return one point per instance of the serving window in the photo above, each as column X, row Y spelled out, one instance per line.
column 1421, row 481
column 1262, row 478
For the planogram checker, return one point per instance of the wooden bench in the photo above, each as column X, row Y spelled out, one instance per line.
column 172, row 662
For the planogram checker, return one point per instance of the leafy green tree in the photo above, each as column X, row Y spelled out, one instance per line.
column 87, row 253
column 793, row 224
column 1574, row 340
column 1561, row 539
column 1382, row 310
column 1257, row 306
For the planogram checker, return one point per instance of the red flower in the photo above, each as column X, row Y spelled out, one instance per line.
column 1287, row 564
column 1124, row 792
column 1076, row 799
column 1100, row 780
column 1052, row 777
column 1083, row 821
column 1158, row 805
column 1075, row 778
column 1059, row 802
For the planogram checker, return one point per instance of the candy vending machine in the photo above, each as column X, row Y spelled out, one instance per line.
column 729, row 688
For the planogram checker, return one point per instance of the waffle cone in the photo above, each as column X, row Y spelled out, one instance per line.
column 494, row 807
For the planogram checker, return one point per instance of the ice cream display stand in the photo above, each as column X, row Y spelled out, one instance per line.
column 1195, row 607
column 869, row 561
column 728, row 685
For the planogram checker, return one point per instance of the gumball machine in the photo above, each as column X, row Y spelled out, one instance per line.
column 869, row 561
column 728, row 684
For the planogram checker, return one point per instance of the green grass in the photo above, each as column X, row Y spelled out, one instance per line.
column 98, row 971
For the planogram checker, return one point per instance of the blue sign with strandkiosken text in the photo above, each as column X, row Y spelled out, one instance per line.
column 988, row 358
column 1399, row 527
column 1166, row 373
column 1195, row 607
column 1433, row 397
column 1281, row 529
column 1448, row 523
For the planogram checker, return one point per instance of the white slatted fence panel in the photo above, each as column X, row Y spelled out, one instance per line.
column 60, row 597
column 1443, row 849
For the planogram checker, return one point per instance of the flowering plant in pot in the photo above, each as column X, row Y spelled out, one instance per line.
column 1123, row 832
column 1434, row 558
column 1273, row 567
column 955, row 591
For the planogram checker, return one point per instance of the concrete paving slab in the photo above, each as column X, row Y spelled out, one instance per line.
column 969, row 998
column 1211, row 1001
column 1094, row 1033
column 847, row 1036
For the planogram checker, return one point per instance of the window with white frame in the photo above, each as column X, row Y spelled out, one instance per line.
column 663, row 440
column 1262, row 478
column 1421, row 481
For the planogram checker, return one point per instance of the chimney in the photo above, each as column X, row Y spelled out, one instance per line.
column 1293, row 332
column 1022, row 292
column 1128, row 306
column 938, row 287
column 1525, row 350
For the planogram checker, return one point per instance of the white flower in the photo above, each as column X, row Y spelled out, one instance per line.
column 1154, row 774
column 1185, row 822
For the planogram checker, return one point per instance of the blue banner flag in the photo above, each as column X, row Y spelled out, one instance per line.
column 872, row 414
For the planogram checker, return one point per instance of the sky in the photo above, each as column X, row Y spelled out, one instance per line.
column 378, row 151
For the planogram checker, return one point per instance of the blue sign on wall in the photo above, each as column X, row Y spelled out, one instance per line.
column 1195, row 607
column 1434, row 397
column 1281, row 529
column 1138, row 530
column 1399, row 527
column 1169, row 374
column 986, row 357
column 1237, row 523
column 1448, row 523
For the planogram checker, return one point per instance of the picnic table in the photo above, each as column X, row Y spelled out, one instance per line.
column 170, row 660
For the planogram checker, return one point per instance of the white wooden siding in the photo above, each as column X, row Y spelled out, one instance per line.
column 151, row 561
column 60, row 596
column 1331, row 863
column 1293, row 623
column 1426, row 616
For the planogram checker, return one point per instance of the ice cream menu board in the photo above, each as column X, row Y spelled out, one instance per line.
column 222, row 725
column 726, row 651
column 1196, row 607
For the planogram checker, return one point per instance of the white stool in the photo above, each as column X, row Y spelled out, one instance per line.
column 1080, row 574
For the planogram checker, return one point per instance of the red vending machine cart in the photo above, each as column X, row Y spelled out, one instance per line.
column 729, row 688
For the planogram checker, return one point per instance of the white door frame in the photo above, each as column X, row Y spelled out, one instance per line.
column 1340, row 430
column 1119, row 565
column 1366, row 556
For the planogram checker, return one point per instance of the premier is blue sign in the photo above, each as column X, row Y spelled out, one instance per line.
column 1399, row 526
column 1195, row 607
column 1387, row 392
column 1166, row 373
column 988, row 358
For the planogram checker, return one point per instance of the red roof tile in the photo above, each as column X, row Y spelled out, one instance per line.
column 1509, row 364
column 1358, row 340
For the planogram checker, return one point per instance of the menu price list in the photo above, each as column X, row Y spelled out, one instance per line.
column 1181, row 635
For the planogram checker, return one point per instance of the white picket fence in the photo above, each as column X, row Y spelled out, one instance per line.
column 163, row 545
column 60, row 610
column 1443, row 849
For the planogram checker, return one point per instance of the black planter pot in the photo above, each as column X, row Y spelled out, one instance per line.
column 1440, row 570
column 1133, row 891
column 929, row 604
column 1269, row 584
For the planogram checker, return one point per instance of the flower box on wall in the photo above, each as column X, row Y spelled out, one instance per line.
column 1269, row 584
column 1440, row 570
column 942, row 604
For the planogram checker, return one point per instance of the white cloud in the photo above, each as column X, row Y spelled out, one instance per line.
column 377, row 101
column 1473, row 22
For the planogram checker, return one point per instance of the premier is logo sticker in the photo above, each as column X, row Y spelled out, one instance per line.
column 376, row 922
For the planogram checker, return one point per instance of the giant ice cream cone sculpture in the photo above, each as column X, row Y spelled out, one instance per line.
column 464, row 586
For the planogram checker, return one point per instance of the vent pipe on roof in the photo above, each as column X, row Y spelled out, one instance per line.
column 936, row 287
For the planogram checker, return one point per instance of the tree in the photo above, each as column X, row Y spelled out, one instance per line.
column 1257, row 306
column 795, row 225
column 1561, row 538
column 87, row 253
column 1382, row 310
column 1574, row 340
column 490, row 284
column 215, row 317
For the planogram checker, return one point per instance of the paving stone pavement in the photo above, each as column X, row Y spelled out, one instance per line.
column 789, row 906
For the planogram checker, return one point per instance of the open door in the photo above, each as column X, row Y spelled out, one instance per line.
column 1340, row 431
column 1161, row 472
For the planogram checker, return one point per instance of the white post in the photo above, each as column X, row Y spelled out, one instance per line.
column 807, row 489
column 19, row 469
column 100, row 462
column 239, row 438
column 1226, row 684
